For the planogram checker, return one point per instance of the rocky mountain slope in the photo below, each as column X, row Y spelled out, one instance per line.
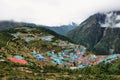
column 100, row 32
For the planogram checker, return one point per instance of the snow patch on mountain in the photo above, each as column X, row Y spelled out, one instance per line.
column 112, row 20
column 118, row 17
column 117, row 25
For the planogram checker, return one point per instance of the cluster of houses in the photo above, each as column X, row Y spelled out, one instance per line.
column 27, row 37
column 31, row 37
column 71, row 58
column 68, row 57
column 38, row 55
column 76, row 58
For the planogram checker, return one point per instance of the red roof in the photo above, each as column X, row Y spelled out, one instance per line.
column 85, row 58
column 90, row 63
column 96, row 62
column 101, row 57
column 77, row 51
column 79, row 55
column 20, row 61
column 52, row 50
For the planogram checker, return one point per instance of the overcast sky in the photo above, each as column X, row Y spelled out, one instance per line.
column 54, row 12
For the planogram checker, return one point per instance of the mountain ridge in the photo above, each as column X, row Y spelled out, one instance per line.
column 63, row 29
column 100, row 39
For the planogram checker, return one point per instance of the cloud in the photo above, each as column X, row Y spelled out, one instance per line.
column 53, row 12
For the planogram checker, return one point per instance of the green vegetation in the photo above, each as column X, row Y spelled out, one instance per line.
column 4, row 38
column 98, row 72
